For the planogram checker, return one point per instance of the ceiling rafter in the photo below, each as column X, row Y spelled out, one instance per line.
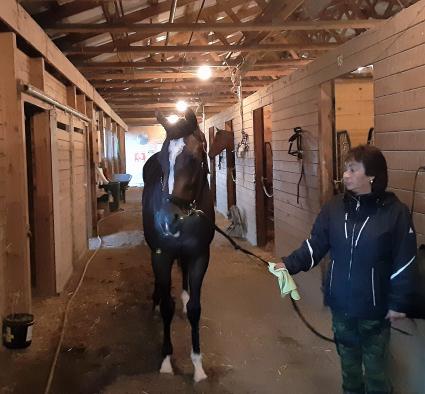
column 207, row 48
column 140, row 59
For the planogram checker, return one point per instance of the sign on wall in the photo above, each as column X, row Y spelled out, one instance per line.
column 139, row 148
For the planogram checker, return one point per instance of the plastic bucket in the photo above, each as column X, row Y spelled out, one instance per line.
column 17, row 330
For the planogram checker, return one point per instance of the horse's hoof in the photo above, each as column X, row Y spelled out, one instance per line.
column 166, row 366
column 185, row 299
column 199, row 376
column 199, row 373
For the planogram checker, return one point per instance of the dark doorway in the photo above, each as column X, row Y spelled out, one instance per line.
column 231, row 170
column 263, row 175
column 212, row 166
column 40, row 199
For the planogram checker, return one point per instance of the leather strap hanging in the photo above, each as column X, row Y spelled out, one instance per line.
column 298, row 153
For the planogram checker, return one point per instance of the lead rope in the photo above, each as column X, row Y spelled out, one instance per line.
column 294, row 305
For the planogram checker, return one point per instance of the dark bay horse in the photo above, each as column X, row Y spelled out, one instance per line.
column 223, row 139
column 178, row 221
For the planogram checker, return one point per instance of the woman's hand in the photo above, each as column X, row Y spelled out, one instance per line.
column 393, row 316
column 279, row 265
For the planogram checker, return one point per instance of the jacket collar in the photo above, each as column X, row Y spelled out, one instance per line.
column 370, row 199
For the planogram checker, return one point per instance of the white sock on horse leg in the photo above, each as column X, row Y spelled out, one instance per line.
column 166, row 366
column 199, row 373
column 185, row 299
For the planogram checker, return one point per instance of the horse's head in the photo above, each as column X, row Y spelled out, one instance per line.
column 183, row 157
column 222, row 140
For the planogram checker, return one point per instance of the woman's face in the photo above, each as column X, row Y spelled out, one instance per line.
column 355, row 178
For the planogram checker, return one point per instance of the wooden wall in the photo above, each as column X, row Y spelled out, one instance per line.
column 3, row 189
column 72, row 172
column 394, row 50
column 245, row 166
column 354, row 110
column 293, row 220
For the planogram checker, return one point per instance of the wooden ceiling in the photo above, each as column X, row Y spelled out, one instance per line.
column 142, row 55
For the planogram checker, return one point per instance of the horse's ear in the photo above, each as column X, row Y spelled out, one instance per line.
column 161, row 118
column 191, row 118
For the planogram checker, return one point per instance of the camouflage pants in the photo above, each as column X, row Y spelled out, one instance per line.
column 363, row 349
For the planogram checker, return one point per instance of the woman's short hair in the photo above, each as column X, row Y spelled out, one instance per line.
column 374, row 164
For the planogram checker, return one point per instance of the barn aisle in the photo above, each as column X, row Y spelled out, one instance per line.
column 252, row 341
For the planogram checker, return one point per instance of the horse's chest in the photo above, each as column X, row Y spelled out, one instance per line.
column 178, row 227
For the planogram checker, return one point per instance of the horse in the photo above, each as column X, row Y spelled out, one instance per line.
column 178, row 221
column 222, row 140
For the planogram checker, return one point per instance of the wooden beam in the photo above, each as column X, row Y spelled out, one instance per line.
column 164, row 106
column 132, row 17
column 212, row 27
column 171, row 93
column 81, row 103
column 184, row 84
column 158, row 75
column 37, row 72
column 71, row 96
column 208, row 94
column 205, row 48
column 16, row 267
column 43, row 231
column 89, row 66
column 326, row 125
column 14, row 15
column 58, row 12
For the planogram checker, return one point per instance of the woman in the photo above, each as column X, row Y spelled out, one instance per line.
column 372, row 245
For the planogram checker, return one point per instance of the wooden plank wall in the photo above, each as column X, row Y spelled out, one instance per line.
column 55, row 88
column 354, row 108
column 400, row 117
column 3, row 170
column 64, row 265
column 293, row 220
column 79, row 190
column 394, row 50
column 73, row 194
column 245, row 166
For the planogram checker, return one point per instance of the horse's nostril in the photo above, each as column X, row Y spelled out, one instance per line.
column 176, row 216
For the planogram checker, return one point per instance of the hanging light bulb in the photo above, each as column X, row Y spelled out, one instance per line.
column 204, row 72
column 181, row 106
column 172, row 118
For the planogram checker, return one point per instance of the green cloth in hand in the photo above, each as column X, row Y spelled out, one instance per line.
column 286, row 283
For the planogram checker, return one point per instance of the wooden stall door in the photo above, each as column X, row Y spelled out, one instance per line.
column 72, row 194
column 259, row 174
column 267, row 183
column 79, row 190
column 212, row 166
column 40, row 190
column 326, row 140
column 231, row 170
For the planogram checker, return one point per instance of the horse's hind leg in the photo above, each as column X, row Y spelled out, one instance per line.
column 161, row 264
column 185, row 284
column 156, row 297
column 197, row 268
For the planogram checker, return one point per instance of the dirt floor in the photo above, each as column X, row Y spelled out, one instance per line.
column 251, row 339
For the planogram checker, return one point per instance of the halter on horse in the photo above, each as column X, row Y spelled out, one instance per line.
column 178, row 221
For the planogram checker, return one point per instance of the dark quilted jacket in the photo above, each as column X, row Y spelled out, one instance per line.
column 372, row 245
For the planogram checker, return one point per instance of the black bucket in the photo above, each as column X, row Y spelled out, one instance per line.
column 17, row 330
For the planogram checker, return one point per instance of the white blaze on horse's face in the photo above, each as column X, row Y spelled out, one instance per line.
column 174, row 149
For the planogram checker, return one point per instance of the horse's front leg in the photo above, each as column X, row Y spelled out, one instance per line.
column 185, row 284
column 197, row 268
column 162, row 264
